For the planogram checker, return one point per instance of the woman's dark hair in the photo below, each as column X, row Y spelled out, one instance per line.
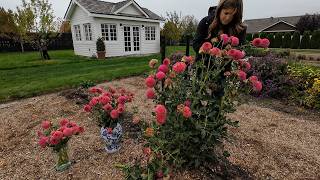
column 236, row 24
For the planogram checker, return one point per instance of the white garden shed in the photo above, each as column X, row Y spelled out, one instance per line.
column 126, row 27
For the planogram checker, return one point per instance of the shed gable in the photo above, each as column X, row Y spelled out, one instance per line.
column 281, row 26
column 131, row 10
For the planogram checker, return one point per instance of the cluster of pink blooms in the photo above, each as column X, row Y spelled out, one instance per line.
column 53, row 135
column 262, row 43
column 165, row 73
column 236, row 55
column 112, row 101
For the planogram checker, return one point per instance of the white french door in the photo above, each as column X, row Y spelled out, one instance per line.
column 131, row 36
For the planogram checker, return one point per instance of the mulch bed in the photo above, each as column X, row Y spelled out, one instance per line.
column 269, row 144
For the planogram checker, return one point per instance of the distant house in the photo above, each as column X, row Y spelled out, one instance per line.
column 126, row 27
column 272, row 24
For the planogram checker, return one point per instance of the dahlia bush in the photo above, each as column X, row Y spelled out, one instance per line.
column 192, row 99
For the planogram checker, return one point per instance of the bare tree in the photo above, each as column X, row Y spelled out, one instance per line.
column 308, row 23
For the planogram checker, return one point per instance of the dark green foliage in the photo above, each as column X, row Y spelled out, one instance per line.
column 263, row 35
column 295, row 42
column 278, row 40
column 315, row 40
column 249, row 37
column 286, row 40
column 100, row 45
column 305, row 41
column 270, row 36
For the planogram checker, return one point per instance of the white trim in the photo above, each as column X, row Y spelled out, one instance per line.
column 135, row 4
column 280, row 31
column 123, row 17
column 276, row 24
column 71, row 7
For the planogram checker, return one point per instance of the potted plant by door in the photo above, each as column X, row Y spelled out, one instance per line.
column 101, row 49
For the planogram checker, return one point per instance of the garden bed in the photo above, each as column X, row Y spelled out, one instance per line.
column 268, row 144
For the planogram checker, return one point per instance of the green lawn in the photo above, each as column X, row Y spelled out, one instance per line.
column 172, row 49
column 25, row 75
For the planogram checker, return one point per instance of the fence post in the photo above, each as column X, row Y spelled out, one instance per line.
column 163, row 54
column 162, row 48
column 188, row 46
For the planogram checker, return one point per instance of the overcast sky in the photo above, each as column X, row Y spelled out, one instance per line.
column 252, row 8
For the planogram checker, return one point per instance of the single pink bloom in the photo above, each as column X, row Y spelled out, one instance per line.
column 120, row 108
column 206, row 47
column 150, row 82
column 94, row 101
column 107, row 107
column 114, row 114
column 161, row 119
column 187, row 112
column 224, row 38
column 104, row 99
column 214, row 51
column 150, row 93
column 160, row 109
column 43, row 141
column 122, row 99
column 160, row 75
column 163, row 68
column 68, row 132
column 242, row 75
column 265, row 43
column 239, row 54
column 257, row 86
column 46, row 124
column 54, row 140
column 179, row 67
column 166, row 61
column 87, row 108
column 247, row 66
column 57, row 134
column 63, row 122
column 253, row 79
column 232, row 53
column 234, row 41
column 161, row 114
column 256, row 42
